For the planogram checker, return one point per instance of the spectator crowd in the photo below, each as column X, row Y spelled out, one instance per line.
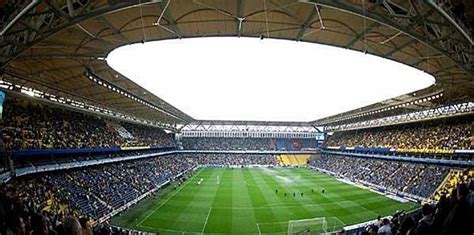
column 217, row 143
column 73, row 199
column 446, row 134
column 45, row 203
column 451, row 215
column 28, row 125
column 415, row 179
column 231, row 159
column 146, row 135
column 453, row 179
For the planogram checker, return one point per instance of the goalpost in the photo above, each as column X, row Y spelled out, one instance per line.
column 308, row 226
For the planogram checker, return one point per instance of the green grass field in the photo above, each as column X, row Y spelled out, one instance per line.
column 244, row 201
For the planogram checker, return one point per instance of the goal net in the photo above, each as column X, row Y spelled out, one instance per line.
column 308, row 226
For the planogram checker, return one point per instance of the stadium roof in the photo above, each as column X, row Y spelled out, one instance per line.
column 59, row 46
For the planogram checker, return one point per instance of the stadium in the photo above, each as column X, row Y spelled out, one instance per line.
column 93, row 145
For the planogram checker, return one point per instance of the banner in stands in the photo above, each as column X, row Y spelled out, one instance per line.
column 361, row 149
column 36, row 152
column 441, row 151
column 284, row 144
column 399, row 150
column 135, row 148
column 372, row 149
column 402, row 158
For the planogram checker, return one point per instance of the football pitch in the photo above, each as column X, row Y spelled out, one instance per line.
column 245, row 201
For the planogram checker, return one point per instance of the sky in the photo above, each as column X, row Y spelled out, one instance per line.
column 263, row 80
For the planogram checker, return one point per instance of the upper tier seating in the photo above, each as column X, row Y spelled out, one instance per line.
column 446, row 134
column 29, row 125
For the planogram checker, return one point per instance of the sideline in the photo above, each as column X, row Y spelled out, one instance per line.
column 207, row 218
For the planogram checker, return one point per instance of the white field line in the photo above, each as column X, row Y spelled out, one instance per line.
column 165, row 230
column 270, row 223
column 287, row 205
column 166, row 201
column 207, row 218
column 258, row 227
column 275, row 222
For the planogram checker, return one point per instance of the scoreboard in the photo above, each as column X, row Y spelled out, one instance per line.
column 319, row 135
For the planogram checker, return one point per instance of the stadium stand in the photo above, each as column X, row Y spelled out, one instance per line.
column 93, row 192
column 289, row 144
column 231, row 159
column 218, row 143
column 284, row 160
column 444, row 134
column 293, row 159
column 54, row 41
column 454, row 178
column 96, row 191
column 29, row 125
column 147, row 135
column 124, row 133
column 450, row 215
column 196, row 143
column 415, row 179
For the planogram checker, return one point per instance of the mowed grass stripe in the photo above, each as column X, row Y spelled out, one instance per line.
column 299, row 210
column 342, row 195
column 312, row 203
column 242, row 198
column 175, row 214
column 220, row 220
column 284, row 214
column 361, row 203
column 154, row 218
column 258, row 200
column 331, row 203
column 246, row 197
column 199, row 200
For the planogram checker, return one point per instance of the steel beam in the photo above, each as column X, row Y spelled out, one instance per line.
column 383, row 19
column 63, row 45
column 306, row 25
column 56, row 68
column 239, row 14
column 360, row 35
column 60, row 57
column 390, row 53
column 172, row 22
column 20, row 15
column 73, row 21
column 108, row 24
column 433, row 5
